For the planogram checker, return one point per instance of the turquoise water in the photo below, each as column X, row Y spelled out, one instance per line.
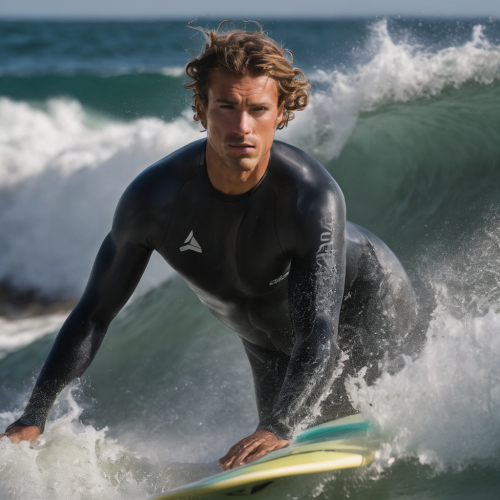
column 405, row 114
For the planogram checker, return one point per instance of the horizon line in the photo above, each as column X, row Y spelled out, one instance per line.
column 297, row 17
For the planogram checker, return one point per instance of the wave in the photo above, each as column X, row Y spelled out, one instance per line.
column 170, row 387
column 441, row 408
column 62, row 174
column 70, row 460
column 14, row 335
column 410, row 136
column 118, row 95
column 426, row 171
column 397, row 73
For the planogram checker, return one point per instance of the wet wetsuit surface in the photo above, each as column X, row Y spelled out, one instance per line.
column 278, row 265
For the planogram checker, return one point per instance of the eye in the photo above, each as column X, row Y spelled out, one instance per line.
column 227, row 106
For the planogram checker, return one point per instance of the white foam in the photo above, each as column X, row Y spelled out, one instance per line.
column 443, row 407
column 15, row 334
column 398, row 72
column 69, row 460
column 62, row 174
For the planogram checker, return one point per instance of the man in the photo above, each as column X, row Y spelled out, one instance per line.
column 258, row 230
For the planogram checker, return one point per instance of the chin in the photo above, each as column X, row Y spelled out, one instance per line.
column 242, row 164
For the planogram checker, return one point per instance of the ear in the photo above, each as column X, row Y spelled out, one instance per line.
column 281, row 110
column 201, row 114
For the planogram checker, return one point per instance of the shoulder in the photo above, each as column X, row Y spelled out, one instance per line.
column 145, row 207
column 166, row 176
column 293, row 164
column 307, row 196
column 297, row 177
column 300, row 182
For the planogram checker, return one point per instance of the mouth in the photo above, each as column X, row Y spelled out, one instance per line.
column 241, row 148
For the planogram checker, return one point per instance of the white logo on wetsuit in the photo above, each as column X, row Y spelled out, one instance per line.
column 324, row 257
column 281, row 278
column 192, row 244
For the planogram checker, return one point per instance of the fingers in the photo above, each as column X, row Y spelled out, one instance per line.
column 238, row 447
column 264, row 450
column 247, row 450
column 234, row 450
column 283, row 443
column 251, row 448
column 238, row 452
column 258, row 453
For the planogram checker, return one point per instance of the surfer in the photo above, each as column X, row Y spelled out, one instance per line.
column 258, row 230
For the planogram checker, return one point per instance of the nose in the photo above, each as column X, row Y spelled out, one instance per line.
column 242, row 125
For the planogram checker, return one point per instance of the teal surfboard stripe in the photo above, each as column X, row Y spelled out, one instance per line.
column 325, row 434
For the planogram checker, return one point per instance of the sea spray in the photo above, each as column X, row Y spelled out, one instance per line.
column 397, row 73
column 59, row 192
column 441, row 407
column 70, row 460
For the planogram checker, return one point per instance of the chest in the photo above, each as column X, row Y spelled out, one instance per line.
column 228, row 249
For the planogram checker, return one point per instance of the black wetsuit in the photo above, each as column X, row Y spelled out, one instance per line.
column 278, row 264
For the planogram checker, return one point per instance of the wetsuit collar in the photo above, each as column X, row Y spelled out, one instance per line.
column 218, row 194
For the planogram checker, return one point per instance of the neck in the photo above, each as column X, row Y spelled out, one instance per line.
column 231, row 181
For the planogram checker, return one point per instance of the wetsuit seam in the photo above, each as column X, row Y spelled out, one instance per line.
column 173, row 208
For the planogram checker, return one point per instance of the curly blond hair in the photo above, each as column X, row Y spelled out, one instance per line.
column 249, row 52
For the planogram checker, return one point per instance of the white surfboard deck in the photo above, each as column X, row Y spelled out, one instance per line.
column 341, row 444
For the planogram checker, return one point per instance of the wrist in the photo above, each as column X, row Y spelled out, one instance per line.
column 280, row 430
column 28, row 421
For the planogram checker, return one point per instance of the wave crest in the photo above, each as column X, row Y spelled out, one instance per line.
column 64, row 171
column 397, row 73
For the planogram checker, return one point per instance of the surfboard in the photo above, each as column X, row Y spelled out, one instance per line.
column 340, row 444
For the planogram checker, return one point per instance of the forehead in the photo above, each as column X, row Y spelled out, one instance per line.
column 252, row 87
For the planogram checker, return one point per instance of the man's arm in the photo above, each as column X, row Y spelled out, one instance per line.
column 118, row 267
column 315, row 299
column 316, row 286
column 315, row 293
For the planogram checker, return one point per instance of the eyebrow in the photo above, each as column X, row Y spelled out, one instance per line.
column 226, row 101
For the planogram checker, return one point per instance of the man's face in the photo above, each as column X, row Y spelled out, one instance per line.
column 241, row 116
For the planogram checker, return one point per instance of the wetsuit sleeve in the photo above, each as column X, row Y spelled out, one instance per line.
column 118, row 267
column 316, row 284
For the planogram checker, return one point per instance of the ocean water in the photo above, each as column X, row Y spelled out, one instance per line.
column 404, row 113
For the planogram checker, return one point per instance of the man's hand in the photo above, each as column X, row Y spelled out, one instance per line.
column 22, row 433
column 251, row 448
